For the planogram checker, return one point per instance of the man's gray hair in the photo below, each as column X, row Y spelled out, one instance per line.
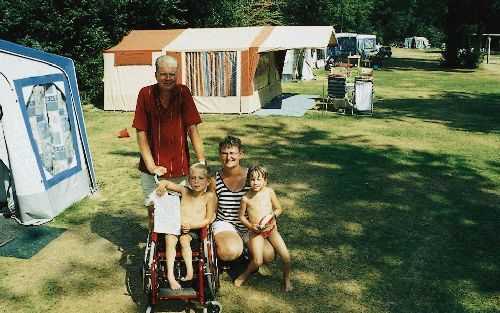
column 166, row 60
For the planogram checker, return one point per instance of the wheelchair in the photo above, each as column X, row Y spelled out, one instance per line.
column 205, row 283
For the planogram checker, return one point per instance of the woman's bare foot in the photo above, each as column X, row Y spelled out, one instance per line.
column 287, row 286
column 241, row 279
column 174, row 285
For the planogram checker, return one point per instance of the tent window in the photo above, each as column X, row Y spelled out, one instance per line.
column 211, row 73
column 48, row 118
column 46, row 105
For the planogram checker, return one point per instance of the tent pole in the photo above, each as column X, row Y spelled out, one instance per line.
column 489, row 49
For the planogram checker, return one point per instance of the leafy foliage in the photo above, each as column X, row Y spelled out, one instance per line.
column 234, row 13
column 82, row 29
column 259, row 12
column 465, row 23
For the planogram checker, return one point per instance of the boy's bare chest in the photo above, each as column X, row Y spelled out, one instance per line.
column 260, row 201
column 197, row 204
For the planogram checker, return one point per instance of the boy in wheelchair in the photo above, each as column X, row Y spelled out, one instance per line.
column 197, row 208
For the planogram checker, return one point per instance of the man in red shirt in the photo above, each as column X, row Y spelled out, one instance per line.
column 164, row 116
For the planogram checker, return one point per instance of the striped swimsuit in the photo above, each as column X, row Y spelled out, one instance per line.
column 229, row 203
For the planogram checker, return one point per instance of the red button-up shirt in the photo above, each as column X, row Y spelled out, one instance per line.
column 166, row 129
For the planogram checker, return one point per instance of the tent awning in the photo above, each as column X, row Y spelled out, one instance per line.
column 214, row 39
column 298, row 37
column 146, row 40
column 265, row 38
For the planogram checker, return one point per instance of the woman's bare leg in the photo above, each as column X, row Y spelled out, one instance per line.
column 229, row 245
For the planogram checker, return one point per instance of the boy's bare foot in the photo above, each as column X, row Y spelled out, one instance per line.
column 174, row 285
column 287, row 286
column 187, row 277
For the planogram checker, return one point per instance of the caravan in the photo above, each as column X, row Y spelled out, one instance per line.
column 45, row 159
column 366, row 44
column 347, row 45
column 351, row 44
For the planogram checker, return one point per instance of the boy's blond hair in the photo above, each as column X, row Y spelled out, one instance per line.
column 202, row 167
column 259, row 169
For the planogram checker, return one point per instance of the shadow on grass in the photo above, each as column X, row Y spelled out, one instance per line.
column 128, row 154
column 127, row 234
column 461, row 111
column 379, row 229
column 372, row 229
column 409, row 64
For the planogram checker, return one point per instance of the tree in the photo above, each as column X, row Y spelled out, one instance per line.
column 313, row 12
column 395, row 20
column 259, row 13
column 465, row 23
column 82, row 29
column 234, row 13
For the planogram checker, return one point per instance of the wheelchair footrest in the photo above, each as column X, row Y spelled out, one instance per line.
column 186, row 292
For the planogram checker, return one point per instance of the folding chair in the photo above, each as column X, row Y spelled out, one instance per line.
column 337, row 91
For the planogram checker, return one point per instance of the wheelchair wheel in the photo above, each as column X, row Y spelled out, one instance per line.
column 155, row 285
column 150, row 273
column 211, row 268
column 146, row 266
column 212, row 307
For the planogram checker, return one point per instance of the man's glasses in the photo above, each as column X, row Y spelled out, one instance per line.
column 168, row 75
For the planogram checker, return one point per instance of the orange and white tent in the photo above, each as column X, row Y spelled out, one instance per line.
column 229, row 70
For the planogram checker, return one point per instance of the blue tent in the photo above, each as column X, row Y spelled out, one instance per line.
column 46, row 164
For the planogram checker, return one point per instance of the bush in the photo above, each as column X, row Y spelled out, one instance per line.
column 469, row 57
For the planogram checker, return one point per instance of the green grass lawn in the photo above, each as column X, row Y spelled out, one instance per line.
column 397, row 212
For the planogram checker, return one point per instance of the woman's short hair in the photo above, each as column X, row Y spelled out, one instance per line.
column 230, row 141
column 166, row 60
column 259, row 169
column 200, row 166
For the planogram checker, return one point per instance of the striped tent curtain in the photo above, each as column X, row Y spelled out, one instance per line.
column 211, row 73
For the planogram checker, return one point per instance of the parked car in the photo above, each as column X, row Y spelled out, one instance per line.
column 384, row 51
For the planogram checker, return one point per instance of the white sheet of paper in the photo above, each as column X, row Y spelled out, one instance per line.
column 167, row 214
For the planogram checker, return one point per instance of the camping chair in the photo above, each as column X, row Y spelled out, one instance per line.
column 362, row 95
column 337, row 91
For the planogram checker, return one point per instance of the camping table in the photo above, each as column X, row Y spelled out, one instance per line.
column 355, row 58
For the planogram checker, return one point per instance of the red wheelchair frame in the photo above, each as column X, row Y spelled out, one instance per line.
column 206, row 275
